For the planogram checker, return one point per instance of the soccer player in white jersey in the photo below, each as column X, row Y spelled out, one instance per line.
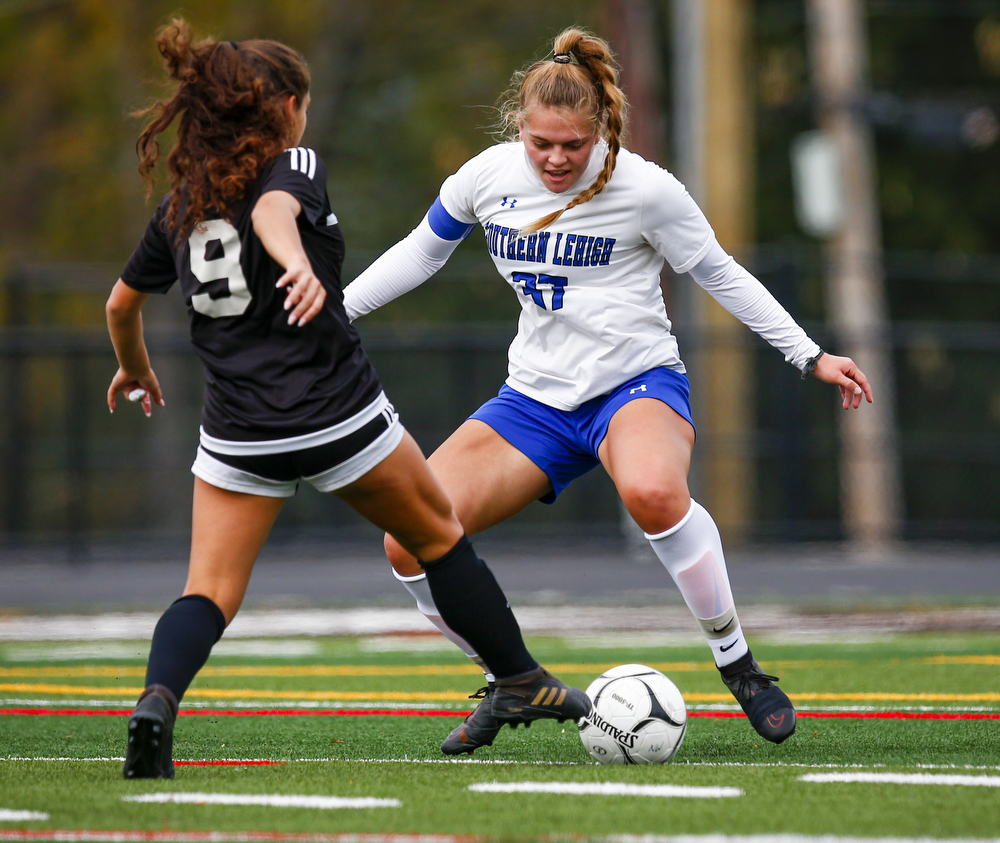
column 247, row 231
column 579, row 228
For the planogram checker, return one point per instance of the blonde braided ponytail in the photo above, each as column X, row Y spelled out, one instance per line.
column 587, row 83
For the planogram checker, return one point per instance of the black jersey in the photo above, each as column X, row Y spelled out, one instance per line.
column 265, row 379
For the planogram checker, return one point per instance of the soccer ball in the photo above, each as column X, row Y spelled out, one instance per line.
column 639, row 717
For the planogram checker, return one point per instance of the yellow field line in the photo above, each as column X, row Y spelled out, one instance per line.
column 989, row 660
column 242, row 694
column 593, row 669
column 877, row 696
column 236, row 670
column 424, row 696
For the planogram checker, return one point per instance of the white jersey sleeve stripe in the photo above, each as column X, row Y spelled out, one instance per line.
column 312, row 163
column 294, row 153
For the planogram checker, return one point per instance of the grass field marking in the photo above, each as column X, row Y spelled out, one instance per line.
column 877, row 715
column 903, row 778
column 246, row 712
column 88, row 836
column 987, row 660
column 881, row 696
column 283, row 671
column 773, row 838
column 247, row 693
column 608, row 789
column 273, row 800
column 237, row 693
column 463, row 669
column 510, row 762
column 425, row 712
column 265, row 648
column 231, row 762
column 833, row 766
column 122, row 836
column 10, row 815
column 462, row 710
column 212, row 705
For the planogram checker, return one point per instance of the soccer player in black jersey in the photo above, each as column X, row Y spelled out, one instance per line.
column 247, row 230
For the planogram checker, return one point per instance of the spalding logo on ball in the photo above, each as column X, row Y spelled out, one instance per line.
column 639, row 717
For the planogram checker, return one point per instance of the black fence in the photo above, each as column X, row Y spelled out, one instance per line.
column 74, row 474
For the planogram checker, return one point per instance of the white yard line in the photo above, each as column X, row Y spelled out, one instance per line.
column 506, row 762
column 8, row 815
column 274, row 800
column 607, row 789
column 903, row 778
column 87, row 836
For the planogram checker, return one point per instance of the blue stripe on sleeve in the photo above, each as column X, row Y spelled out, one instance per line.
column 445, row 226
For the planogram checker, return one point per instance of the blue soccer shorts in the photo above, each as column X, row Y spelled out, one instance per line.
column 564, row 443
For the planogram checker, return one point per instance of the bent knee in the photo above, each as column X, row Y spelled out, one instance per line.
column 656, row 509
column 404, row 563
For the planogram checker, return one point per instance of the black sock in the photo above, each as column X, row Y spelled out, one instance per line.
column 473, row 605
column 182, row 641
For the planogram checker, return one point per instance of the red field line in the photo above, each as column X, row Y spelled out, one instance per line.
column 93, row 836
column 254, row 763
column 249, row 712
column 420, row 712
column 869, row 715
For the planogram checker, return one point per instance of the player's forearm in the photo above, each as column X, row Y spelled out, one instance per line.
column 124, row 315
column 274, row 223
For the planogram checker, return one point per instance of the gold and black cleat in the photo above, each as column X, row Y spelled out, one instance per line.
column 537, row 695
column 478, row 729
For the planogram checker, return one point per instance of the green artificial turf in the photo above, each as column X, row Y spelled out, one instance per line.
column 397, row 756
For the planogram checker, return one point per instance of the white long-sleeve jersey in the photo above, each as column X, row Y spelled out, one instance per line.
column 592, row 314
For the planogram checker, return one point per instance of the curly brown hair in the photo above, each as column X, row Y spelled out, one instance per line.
column 233, row 119
column 588, row 83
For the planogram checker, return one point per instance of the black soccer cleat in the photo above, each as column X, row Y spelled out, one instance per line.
column 767, row 707
column 536, row 695
column 151, row 735
column 478, row 729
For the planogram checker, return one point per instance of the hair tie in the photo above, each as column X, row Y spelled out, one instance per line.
column 562, row 58
column 234, row 45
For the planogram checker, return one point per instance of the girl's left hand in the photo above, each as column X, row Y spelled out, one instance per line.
column 306, row 294
column 843, row 372
column 126, row 382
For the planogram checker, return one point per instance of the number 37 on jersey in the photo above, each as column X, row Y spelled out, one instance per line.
column 546, row 291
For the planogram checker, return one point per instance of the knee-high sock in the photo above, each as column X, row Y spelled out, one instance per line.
column 420, row 590
column 183, row 638
column 473, row 605
column 691, row 551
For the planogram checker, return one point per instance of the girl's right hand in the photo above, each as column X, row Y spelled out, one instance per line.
column 126, row 382
column 305, row 293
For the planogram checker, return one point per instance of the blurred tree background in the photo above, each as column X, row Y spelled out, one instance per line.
column 403, row 93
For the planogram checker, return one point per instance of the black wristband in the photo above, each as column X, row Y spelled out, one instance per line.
column 811, row 364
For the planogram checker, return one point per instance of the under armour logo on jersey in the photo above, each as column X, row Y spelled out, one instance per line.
column 637, row 389
column 503, row 204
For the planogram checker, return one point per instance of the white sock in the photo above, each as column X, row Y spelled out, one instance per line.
column 691, row 551
column 421, row 591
